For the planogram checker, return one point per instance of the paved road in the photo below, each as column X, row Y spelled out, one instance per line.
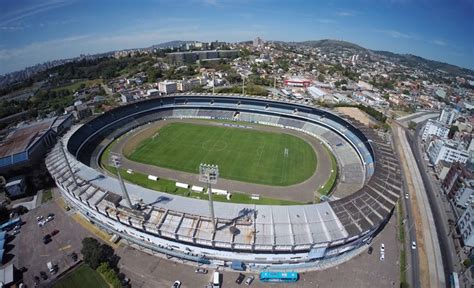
column 426, row 235
column 437, row 206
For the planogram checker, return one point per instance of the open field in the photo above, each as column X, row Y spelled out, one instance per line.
column 75, row 86
column 245, row 155
column 82, row 277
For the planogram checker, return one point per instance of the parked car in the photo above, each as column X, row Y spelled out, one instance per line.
column 382, row 256
column 39, row 218
column 176, row 284
column 413, row 245
column 74, row 256
column 51, row 215
column 49, row 218
column 54, row 232
column 43, row 275
column 240, row 278
column 201, row 271
column 370, row 250
column 406, row 195
column 382, row 248
column 249, row 280
column 46, row 239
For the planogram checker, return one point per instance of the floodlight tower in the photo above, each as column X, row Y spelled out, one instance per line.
column 115, row 160
column 67, row 163
column 213, row 83
column 208, row 174
column 243, row 85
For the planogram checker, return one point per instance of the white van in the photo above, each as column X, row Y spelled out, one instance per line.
column 216, row 280
column 51, row 267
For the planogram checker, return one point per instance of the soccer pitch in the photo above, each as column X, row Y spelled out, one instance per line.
column 242, row 154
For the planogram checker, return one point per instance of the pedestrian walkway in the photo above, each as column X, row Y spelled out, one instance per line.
column 94, row 230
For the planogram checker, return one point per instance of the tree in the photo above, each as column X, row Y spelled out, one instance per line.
column 412, row 125
column 321, row 78
column 91, row 252
column 452, row 131
column 96, row 253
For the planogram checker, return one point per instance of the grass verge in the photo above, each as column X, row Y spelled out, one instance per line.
column 46, row 196
column 82, row 277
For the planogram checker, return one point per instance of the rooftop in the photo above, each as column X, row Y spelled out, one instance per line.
column 24, row 136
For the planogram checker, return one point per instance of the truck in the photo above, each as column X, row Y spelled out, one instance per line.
column 216, row 280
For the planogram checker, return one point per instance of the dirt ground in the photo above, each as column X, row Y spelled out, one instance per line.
column 357, row 114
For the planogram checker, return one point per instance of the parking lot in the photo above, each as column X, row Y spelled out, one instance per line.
column 30, row 252
column 364, row 270
column 146, row 270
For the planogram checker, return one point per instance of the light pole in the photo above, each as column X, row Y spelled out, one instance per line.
column 115, row 160
column 67, row 163
column 213, row 83
column 208, row 174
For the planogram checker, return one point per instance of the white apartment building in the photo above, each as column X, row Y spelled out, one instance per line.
column 466, row 226
column 448, row 115
column 167, row 87
column 435, row 128
column 447, row 150
column 464, row 197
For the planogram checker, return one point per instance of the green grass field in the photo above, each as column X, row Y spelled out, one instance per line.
column 82, row 277
column 242, row 154
column 327, row 187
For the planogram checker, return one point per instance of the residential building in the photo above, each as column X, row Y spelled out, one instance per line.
column 167, row 87
column 447, row 150
column 192, row 57
column 82, row 111
column 466, row 226
column 465, row 196
column 447, row 116
column 315, row 92
column 127, row 97
column 454, row 179
column 435, row 128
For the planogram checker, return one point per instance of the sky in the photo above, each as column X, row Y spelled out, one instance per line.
column 33, row 32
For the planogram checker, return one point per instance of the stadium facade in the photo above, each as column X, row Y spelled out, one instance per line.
column 299, row 236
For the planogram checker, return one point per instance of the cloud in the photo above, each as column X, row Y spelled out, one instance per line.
column 31, row 10
column 440, row 42
column 345, row 14
column 326, row 21
column 395, row 34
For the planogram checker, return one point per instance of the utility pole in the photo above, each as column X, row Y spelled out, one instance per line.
column 208, row 174
column 67, row 163
column 115, row 159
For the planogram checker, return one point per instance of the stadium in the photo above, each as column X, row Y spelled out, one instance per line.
column 304, row 236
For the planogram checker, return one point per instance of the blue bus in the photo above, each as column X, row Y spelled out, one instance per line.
column 278, row 276
column 454, row 280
